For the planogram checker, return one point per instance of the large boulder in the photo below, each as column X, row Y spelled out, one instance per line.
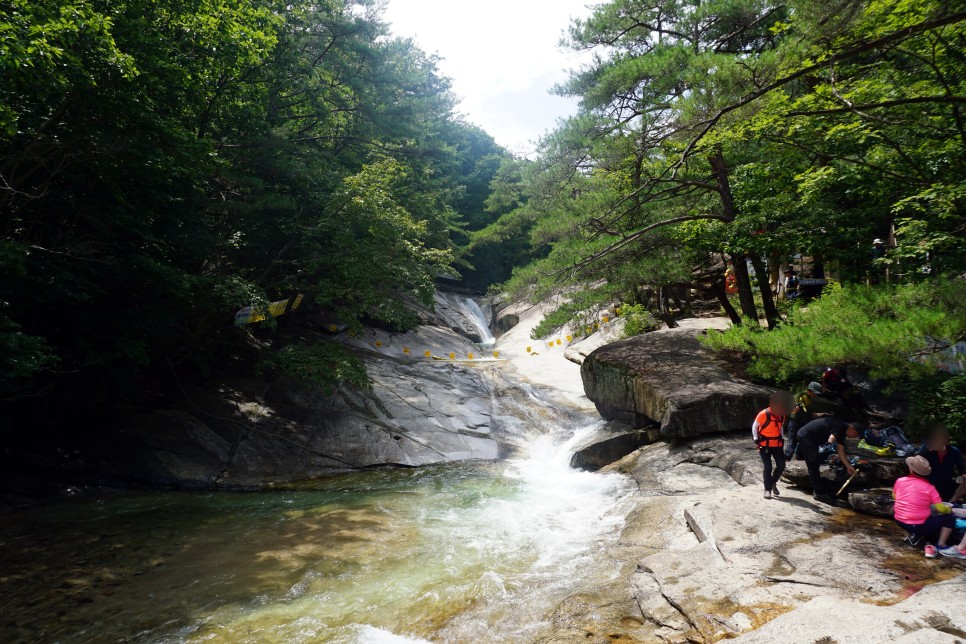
column 670, row 378
column 878, row 502
column 933, row 614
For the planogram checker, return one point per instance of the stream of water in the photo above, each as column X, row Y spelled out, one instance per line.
column 472, row 311
column 461, row 553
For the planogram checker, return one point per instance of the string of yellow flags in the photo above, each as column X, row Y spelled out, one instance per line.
column 556, row 342
column 251, row 314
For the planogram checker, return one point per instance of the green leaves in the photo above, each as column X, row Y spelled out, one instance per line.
column 164, row 163
column 893, row 331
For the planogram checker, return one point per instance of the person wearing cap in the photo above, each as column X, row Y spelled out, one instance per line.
column 791, row 283
column 919, row 510
column 878, row 248
column 946, row 463
column 809, row 405
column 817, row 433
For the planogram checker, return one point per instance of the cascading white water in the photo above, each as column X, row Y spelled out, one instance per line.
column 471, row 309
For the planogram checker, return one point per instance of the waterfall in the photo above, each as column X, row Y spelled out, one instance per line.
column 474, row 314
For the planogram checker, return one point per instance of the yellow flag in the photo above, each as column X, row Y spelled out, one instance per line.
column 529, row 349
column 496, row 354
column 470, row 355
column 452, row 356
column 405, row 349
column 428, row 354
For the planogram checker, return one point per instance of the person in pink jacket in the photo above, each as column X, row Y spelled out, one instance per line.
column 920, row 511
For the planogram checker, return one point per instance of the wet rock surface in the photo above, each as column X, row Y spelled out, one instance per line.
column 611, row 446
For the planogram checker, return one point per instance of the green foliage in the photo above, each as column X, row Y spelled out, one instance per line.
column 568, row 313
column 164, row 163
column 896, row 332
column 938, row 398
column 324, row 364
column 950, row 406
column 581, row 309
column 638, row 320
column 710, row 131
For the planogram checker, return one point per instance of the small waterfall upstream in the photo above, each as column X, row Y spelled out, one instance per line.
column 471, row 309
column 464, row 315
column 478, row 551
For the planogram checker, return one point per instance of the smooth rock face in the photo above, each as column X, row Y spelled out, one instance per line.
column 670, row 378
column 933, row 615
column 251, row 433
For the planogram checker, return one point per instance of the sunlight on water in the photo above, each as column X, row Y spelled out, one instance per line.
column 473, row 551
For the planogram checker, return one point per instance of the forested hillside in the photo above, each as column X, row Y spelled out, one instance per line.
column 163, row 164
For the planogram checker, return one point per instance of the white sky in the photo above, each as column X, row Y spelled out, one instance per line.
column 503, row 57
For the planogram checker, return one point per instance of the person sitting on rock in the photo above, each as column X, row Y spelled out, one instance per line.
column 946, row 464
column 809, row 405
column 836, row 381
column 839, row 389
column 817, row 433
column 767, row 432
column 920, row 512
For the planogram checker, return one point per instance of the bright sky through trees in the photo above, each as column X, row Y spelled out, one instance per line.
column 503, row 57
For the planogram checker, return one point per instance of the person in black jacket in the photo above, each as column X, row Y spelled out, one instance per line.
column 946, row 462
column 815, row 434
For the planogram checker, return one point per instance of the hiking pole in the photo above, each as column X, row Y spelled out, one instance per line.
column 846, row 484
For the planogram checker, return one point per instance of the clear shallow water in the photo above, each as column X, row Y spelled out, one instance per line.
column 467, row 552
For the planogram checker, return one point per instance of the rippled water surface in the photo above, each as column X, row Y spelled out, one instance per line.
column 458, row 553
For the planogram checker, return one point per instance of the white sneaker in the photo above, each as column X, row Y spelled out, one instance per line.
column 767, row 494
column 952, row 551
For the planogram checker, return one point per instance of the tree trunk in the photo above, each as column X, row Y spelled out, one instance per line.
column 718, row 285
column 663, row 309
column 775, row 272
column 767, row 301
column 746, row 298
column 719, row 168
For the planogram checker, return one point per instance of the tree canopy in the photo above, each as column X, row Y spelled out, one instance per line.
column 163, row 164
column 750, row 132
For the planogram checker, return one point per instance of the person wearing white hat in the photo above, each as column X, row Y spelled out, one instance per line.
column 919, row 510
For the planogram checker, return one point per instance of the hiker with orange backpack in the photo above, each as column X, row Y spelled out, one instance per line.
column 767, row 432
